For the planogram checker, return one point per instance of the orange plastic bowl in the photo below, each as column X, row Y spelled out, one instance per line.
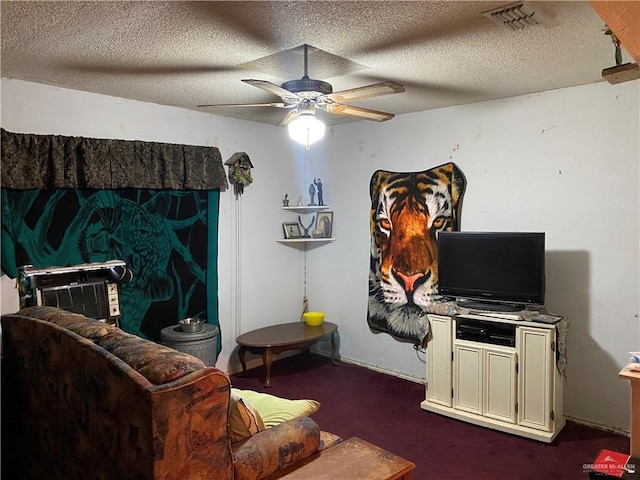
column 313, row 319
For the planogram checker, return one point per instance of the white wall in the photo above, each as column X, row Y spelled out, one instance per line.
column 565, row 162
column 39, row 109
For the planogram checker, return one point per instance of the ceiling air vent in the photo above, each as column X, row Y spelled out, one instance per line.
column 515, row 16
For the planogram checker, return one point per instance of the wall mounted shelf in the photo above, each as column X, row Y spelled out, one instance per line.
column 306, row 209
column 286, row 241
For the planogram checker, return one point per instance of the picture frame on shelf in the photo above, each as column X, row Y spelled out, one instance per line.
column 291, row 230
column 324, row 224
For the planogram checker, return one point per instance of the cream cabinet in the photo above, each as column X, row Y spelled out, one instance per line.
column 535, row 384
column 499, row 376
column 439, row 371
column 467, row 377
column 484, row 380
column 514, row 387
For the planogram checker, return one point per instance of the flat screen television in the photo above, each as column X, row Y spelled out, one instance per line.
column 501, row 271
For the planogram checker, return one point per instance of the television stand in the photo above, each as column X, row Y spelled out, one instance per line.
column 497, row 373
column 490, row 307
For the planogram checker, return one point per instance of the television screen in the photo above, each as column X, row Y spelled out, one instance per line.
column 502, row 267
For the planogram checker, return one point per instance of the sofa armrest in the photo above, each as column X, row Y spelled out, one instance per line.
column 275, row 448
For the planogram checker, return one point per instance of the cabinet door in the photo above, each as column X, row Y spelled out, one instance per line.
column 535, row 385
column 500, row 383
column 467, row 377
column 439, row 360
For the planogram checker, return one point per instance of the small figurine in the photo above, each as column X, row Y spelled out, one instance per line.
column 285, row 200
column 318, row 183
column 312, row 194
column 300, row 203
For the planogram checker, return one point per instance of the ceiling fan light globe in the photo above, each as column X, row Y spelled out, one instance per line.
column 306, row 129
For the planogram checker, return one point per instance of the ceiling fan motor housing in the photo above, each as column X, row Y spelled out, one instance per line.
column 308, row 85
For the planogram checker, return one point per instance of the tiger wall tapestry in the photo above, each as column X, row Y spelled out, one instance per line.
column 407, row 212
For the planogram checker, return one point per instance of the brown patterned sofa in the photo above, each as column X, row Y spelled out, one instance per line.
column 84, row 400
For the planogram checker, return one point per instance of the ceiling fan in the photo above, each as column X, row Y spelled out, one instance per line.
column 303, row 96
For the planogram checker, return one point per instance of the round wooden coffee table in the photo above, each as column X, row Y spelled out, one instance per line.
column 280, row 338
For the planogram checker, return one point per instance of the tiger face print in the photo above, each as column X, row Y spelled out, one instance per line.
column 407, row 212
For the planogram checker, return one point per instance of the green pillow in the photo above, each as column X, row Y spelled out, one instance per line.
column 275, row 410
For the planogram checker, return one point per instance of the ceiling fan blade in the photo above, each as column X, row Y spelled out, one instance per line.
column 357, row 112
column 275, row 89
column 287, row 118
column 368, row 91
column 275, row 104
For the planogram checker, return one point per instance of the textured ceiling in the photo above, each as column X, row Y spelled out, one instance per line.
column 189, row 53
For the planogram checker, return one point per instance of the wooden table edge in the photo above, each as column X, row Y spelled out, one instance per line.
column 402, row 474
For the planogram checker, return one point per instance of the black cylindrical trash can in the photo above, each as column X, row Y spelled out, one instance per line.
column 200, row 344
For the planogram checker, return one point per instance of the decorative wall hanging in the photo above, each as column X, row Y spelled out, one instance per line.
column 239, row 172
column 407, row 212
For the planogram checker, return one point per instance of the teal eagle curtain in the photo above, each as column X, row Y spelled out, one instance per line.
column 166, row 235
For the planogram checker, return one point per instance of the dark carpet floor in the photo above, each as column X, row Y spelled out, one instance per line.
column 385, row 411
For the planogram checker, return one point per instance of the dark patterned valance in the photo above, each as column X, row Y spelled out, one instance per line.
column 44, row 162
